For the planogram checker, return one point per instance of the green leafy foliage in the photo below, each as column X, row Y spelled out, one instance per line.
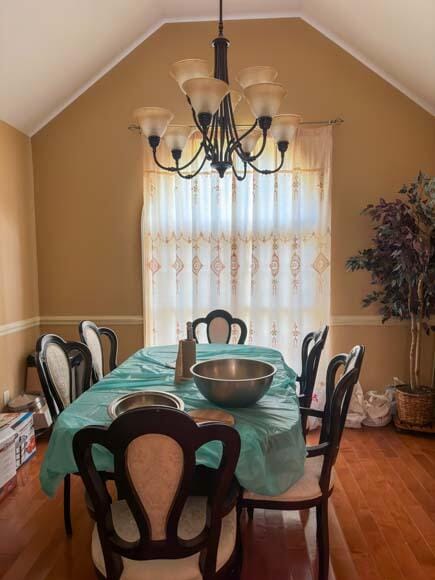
column 402, row 254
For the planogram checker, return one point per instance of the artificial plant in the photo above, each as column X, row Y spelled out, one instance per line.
column 401, row 261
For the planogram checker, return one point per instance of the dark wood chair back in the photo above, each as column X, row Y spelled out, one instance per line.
column 91, row 335
column 156, row 491
column 338, row 395
column 219, row 326
column 54, row 361
column 312, row 347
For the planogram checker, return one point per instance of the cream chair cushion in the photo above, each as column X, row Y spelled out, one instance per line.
column 59, row 370
column 93, row 343
column 191, row 524
column 218, row 330
column 156, row 482
column 306, row 488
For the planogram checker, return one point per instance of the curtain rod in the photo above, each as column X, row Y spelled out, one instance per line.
column 337, row 121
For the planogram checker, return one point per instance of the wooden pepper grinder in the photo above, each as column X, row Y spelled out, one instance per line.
column 186, row 356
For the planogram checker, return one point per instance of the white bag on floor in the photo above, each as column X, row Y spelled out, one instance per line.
column 378, row 408
column 357, row 412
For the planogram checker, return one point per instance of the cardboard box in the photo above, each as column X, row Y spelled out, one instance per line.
column 8, row 465
column 25, row 443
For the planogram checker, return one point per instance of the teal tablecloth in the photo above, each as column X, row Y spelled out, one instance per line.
column 273, row 451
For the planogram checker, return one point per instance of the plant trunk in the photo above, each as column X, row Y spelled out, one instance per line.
column 412, row 352
column 433, row 365
column 420, row 301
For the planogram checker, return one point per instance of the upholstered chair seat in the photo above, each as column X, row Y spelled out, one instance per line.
column 191, row 524
column 316, row 485
column 92, row 336
column 162, row 528
column 62, row 385
column 306, row 488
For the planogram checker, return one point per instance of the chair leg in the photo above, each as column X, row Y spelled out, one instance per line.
column 67, row 504
column 323, row 539
column 250, row 511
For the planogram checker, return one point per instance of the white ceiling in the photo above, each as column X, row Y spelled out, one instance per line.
column 52, row 50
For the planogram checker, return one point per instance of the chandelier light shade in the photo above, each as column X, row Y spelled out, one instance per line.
column 265, row 99
column 153, row 120
column 236, row 97
column 284, row 127
column 249, row 142
column 223, row 143
column 256, row 74
column 205, row 94
column 189, row 68
column 176, row 137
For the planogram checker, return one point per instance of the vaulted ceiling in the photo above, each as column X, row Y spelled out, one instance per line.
column 52, row 50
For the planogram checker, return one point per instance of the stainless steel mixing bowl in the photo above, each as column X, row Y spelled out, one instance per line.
column 143, row 399
column 233, row 382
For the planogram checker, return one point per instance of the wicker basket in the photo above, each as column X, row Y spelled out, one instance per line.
column 414, row 407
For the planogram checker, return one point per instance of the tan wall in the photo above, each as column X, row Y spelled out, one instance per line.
column 18, row 269
column 88, row 182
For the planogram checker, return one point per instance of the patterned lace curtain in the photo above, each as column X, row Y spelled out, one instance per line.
column 259, row 248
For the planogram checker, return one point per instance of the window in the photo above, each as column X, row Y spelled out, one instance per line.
column 259, row 248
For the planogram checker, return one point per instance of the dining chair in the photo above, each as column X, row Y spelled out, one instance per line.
column 91, row 335
column 159, row 529
column 316, row 485
column 219, row 326
column 312, row 347
column 54, row 358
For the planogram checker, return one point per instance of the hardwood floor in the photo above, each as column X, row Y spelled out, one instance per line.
column 382, row 521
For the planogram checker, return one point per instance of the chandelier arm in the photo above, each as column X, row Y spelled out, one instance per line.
column 208, row 146
column 236, row 175
column 157, row 162
column 269, row 171
column 223, row 131
column 234, row 126
column 192, row 175
column 228, row 141
column 230, row 129
column 194, row 158
column 237, row 143
column 262, row 148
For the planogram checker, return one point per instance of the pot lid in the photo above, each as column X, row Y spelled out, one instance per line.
column 25, row 402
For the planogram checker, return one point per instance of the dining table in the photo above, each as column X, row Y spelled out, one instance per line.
column 273, row 451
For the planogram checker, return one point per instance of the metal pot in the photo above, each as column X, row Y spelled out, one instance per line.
column 26, row 403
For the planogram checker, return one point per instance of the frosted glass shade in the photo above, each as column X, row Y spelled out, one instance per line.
column 265, row 98
column 250, row 141
column 176, row 136
column 153, row 121
column 256, row 74
column 236, row 97
column 284, row 127
column 205, row 93
column 190, row 68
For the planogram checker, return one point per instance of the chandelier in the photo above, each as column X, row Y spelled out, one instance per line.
column 223, row 143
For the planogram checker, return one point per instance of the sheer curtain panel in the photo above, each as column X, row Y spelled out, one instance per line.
column 259, row 248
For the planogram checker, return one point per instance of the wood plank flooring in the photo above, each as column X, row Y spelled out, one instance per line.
column 382, row 521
